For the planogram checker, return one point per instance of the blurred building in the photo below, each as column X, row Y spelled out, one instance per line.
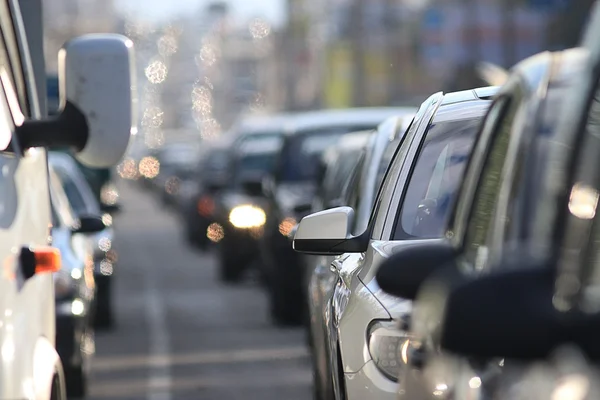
column 64, row 19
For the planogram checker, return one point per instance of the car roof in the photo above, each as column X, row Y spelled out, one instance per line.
column 256, row 125
column 349, row 143
column 482, row 93
column 326, row 119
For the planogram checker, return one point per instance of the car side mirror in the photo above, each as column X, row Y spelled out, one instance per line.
column 268, row 186
column 97, row 95
column 110, row 208
column 89, row 224
column 329, row 233
column 403, row 273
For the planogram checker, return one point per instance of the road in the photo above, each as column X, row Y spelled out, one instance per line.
column 180, row 333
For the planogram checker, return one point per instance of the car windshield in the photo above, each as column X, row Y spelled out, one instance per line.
column 435, row 179
column 302, row 154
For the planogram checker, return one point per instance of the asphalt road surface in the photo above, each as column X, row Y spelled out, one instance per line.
column 180, row 333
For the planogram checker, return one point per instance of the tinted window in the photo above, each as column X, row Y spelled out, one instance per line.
column 488, row 186
column 74, row 196
column 302, row 153
column 435, row 179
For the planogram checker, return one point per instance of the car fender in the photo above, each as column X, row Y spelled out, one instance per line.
column 46, row 364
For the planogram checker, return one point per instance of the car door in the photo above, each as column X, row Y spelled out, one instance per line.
column 26, row 304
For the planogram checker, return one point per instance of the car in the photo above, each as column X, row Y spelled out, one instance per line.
column 368, row 166
column 83, row 202
column 505, row 204
column 239, row 206
column 525, row 309
column 175, row 162
column 74, row 287
column 95, row 120
column 412, row 206
column 198, row 205
column 289, row 193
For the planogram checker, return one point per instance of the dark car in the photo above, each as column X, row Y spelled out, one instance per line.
column 176, row 162
column 506, row 209
column 290, row 191
column 240, row 207
column 197, row 205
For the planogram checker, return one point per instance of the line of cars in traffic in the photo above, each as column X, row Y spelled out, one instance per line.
column 447, row 251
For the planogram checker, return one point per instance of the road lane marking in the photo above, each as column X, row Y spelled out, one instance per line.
column 159, row 375
column 282, row 378
column 210, row 357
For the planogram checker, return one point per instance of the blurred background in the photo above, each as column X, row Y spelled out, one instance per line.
column 202, row 62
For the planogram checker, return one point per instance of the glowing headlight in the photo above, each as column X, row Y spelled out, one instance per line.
column 247, row 216
column 385, row 346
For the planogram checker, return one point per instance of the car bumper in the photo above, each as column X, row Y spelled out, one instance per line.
column 369, row 383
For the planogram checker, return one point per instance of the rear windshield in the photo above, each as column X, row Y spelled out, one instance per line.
column 302, row 153
column 435, row 179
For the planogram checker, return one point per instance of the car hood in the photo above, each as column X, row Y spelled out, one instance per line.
column 232, row 199
column 290, row 195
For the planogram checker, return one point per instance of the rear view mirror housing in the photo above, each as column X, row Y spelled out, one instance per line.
column 512, row 315
column 89, row 224
column 403, row 273
column 110, row 208
column 97, row 94
column 329, row 233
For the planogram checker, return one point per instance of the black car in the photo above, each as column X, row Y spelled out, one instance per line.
column 290, row 191
column 175, row 162
column 240, row 207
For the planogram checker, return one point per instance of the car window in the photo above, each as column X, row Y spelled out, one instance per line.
column 73, row 194
column 485, row 199
column 354, row 195
column 299, row 158
column 435, row 179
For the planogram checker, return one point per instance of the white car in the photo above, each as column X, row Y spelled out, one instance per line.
column 95, row 119
column 84, row 202
column 354, row 169
column 412, row 205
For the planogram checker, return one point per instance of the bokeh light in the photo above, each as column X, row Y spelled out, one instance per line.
column 286, row 226
column 149, row 167
column 215, row 232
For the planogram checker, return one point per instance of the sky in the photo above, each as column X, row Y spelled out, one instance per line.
column 272, row 10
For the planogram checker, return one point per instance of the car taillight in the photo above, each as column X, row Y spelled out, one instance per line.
column 205, row 206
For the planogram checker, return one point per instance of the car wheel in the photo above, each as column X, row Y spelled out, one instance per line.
column 103, row 314
column 76, row 382
column 286, row 310
column 230, row 270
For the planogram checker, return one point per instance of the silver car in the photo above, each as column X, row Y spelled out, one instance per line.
column 412, row 206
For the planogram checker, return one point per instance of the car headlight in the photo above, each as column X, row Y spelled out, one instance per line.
column 385, row 347
column 247, row 216
column 63, row 282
